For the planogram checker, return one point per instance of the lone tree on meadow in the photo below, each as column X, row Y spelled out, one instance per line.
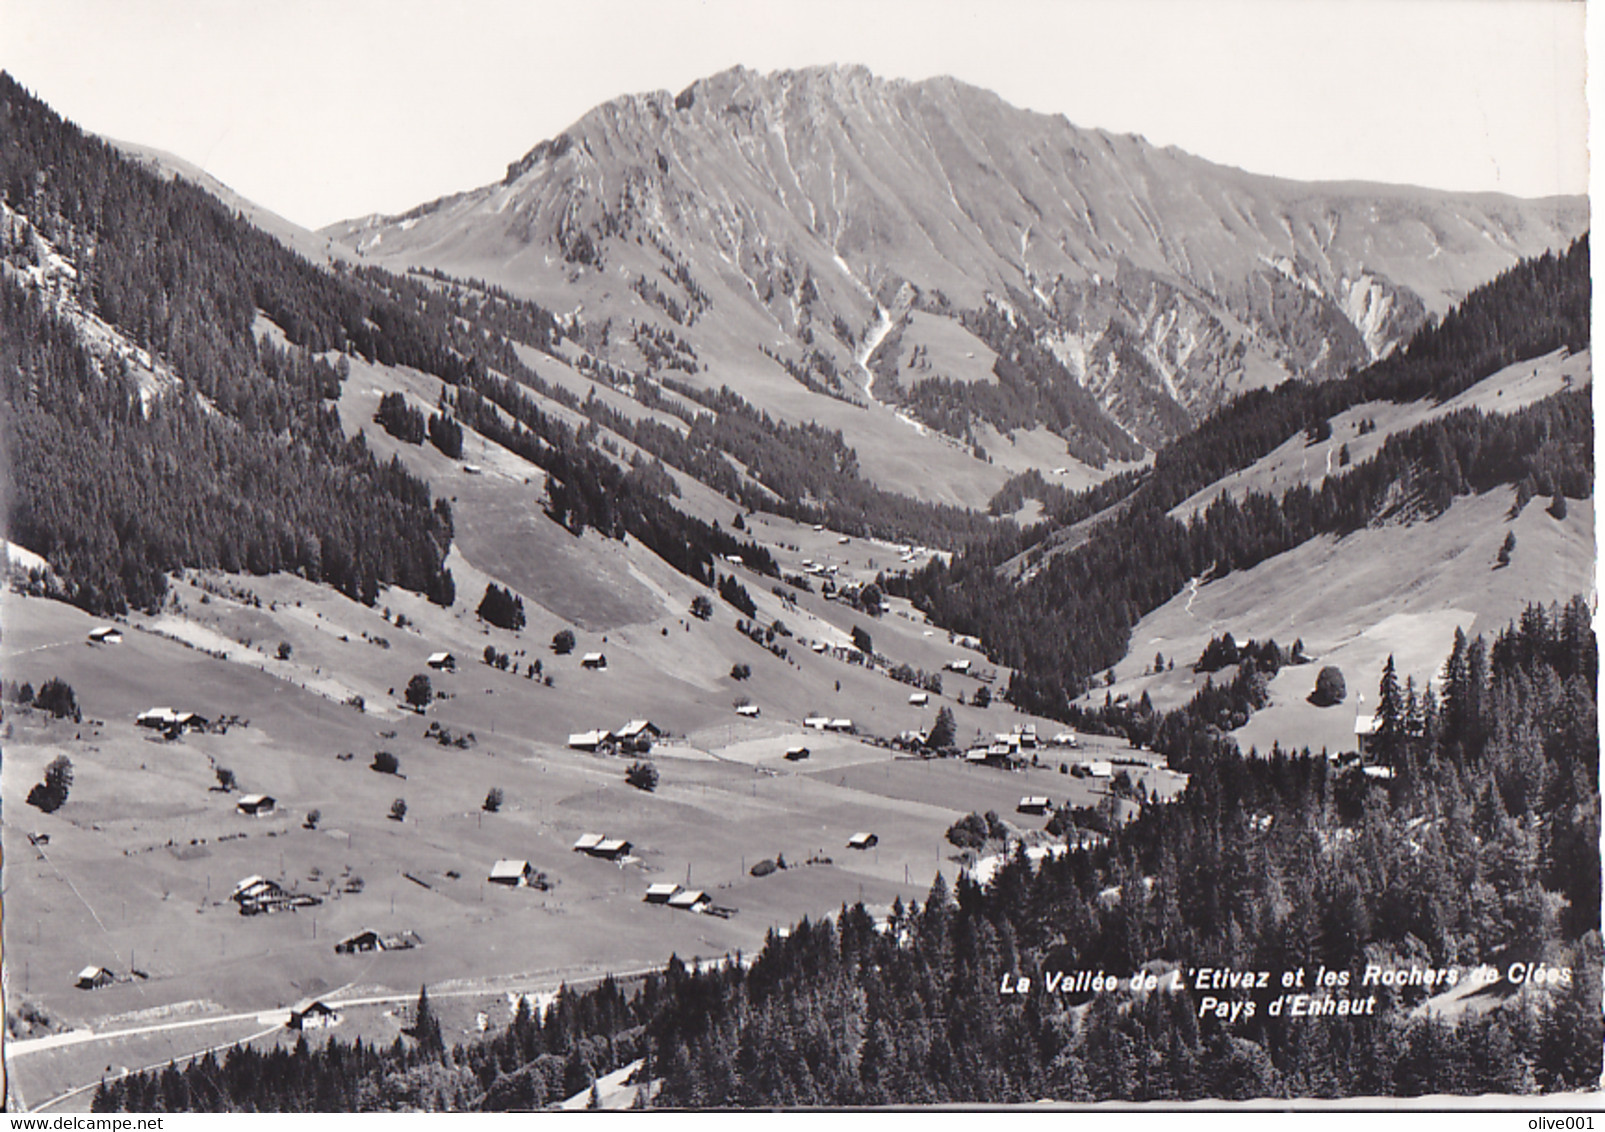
column 1507, row 548
column 398, row 810
column 51, row 794
column 420, row 692
column 563, row 642
column 701, row 607
column 226, row 781
column 643, row 776
column 1329, row 687
column 493, row 800
column 943, row 731
column 385, row 763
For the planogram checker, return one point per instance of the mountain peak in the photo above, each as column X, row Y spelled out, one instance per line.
column 829, row 222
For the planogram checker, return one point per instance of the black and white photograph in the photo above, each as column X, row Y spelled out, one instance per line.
column 797, row 555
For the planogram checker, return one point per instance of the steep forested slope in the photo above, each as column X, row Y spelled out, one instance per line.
column 237, row 462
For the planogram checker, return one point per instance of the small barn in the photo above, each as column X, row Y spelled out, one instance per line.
column 748, row 710
column 1100, row 768
column 863, row 841
column 639, row 729
column 1066, row 739
column 93, row 978
column 689, row 900
column 512, row 873
column 1034, row 804
column 660, row 893
column 313, row 1015
column 817, row 722
column 593, row 660
column 587, row 842
column 590, row 740
column 442, row 661
column 919, row 699
column 839, row 725
column 256, row 805
column 797, row 754
column 106, row 635
column 960, row 666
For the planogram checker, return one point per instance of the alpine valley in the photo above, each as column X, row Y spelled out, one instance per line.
column 551, row 639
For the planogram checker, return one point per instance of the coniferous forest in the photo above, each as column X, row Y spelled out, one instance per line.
column 1483, row 849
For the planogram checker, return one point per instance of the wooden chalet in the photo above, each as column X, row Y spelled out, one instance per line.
column 607, row 848
column 313, row 1015
column 168, row 720
column 365, row 940
column 512, row 873
column 93, row 978
column 257, row 896
column 660, row 893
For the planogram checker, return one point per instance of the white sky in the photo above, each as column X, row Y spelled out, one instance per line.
column 326, row 109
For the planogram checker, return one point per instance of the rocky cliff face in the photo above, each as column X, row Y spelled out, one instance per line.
column 792, row 221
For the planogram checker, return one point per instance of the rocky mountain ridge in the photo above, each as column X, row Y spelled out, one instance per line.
column 775, row 222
